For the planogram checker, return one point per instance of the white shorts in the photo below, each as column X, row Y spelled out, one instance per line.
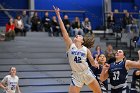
column 81, row 78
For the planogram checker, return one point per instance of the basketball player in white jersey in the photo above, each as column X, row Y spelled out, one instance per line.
column 78, row 54
column 10, row 82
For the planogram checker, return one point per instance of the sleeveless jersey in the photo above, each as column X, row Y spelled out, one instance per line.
column 77, row 58
column 10, row 82
column 118, row 73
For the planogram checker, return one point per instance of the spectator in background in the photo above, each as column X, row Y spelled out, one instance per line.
column 135, row 85
column 10, row 30
column 19, row 26
column 36, row 22
column 128, row 21
column 55, row 26
column 110, row 53
column 87, row 26
column 67, row 24
column 110, row 21
column 97, row 52
column 47, row 24
column 26, row 21
column 77, row 27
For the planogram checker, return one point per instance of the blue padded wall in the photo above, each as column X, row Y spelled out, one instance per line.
column 12, row 4
column 125, row 5
column 94, row 8
column 15, row 4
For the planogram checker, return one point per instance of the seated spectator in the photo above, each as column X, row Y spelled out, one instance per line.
column 110, row 21
column 97, row 52
column 77, row 27
column 135, row 85
column 19, row 26
column 36, row 22
column 26, row 21
column 10, row 27
column 110, row 53
column 55, row 26
column 87, row 26
column 67, row 24
column 47, row 24
column 129, row 23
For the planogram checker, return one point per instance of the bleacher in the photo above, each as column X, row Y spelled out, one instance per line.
column 41, row 63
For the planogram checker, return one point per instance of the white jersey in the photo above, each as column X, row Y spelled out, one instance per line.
column 19, row 22
column 11, row 82
column 77, row 58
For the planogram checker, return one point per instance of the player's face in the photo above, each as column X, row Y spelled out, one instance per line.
column 13, row 71
column 119, row 54
column 78, row 38
column 102, row 59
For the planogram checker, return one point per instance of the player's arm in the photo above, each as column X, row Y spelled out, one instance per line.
column 90, row 58
column 18, row 89
column 2, row 86
column 2, row 83
column 104, row 74
column 133, row 64
column 66, row 37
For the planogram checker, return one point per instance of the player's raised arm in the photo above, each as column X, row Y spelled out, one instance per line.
column 104, row 74
column 133, row 64
column 91, row 60
column 66, row 37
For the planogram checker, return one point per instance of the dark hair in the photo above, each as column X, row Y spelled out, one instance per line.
column 124, row 59
column 9, row 21
column 97, row 47
column 18, row 16
column 88, row 40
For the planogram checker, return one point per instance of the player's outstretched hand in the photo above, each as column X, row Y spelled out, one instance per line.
column 106, row 67
column 57, row 10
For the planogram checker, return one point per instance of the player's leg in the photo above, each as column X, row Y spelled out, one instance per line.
column 94, row 86
column 74, row 89
column 92, row 83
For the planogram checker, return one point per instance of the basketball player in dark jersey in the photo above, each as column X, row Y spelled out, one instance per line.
column 117, row 72
column 101, row 59
column 135, row 85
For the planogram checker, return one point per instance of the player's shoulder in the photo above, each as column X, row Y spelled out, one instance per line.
column 7, row 76
column 85, row 48
column 16, row 77
column 72, row 46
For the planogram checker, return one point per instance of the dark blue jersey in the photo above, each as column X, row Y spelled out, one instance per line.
column 117, row 73
column 97, row 72
column 135, row 85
